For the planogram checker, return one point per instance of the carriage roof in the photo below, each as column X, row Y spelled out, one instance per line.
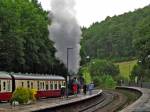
column 5, row 75
column 37, row 76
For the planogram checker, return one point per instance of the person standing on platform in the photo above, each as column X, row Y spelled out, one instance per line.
column 75, row 86
column 84, row 89
column 62, row 91
column 91, row 87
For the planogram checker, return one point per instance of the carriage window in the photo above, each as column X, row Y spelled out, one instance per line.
column 46, row 86
column 28, row 84
column 55, row 85
column 8, row 85
column 43, row 85
column 0, row 85
column 4, row 85
column 22, row 84
column 51, row 85
column 40, row 85
column 31, row 85
column 64, row 84
column 59, row 85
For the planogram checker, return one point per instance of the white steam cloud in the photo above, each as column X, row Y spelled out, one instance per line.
column 66, row 33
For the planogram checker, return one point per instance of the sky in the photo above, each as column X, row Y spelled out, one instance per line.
column 90, row 11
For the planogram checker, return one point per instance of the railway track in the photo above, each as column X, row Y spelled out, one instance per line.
column 112, row 101
column 104, row 100
column 108, row 101
column 119, row 100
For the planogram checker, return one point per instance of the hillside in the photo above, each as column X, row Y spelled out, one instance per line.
column 114, row 37
column 126, row 68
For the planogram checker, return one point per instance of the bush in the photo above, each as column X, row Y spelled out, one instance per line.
column 23, row 95
column 86, row 75
column 105, row 81
column 98, row 67
column 32, row 93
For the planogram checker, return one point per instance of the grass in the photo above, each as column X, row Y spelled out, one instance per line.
column 126, row 68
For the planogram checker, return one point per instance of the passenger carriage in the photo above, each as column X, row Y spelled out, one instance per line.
column 5, row 86
column 45, row 85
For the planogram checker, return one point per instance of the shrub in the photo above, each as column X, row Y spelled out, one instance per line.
column 105, row 81
column 23, row 95
column 32, row 93
column 98, row 67
column 86, row 75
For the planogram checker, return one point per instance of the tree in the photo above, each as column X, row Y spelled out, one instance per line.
column 137, row 72
column 142, row 46
column 24, row 42
column 99, row 67
column 105, row 81
column 101, row 72
column 113, row 38
column 86, row 75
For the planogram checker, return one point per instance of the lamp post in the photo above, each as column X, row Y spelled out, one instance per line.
column 129, row 69
column 129, row 72
column 148, row 57
column 87, row 60
column 87, row 57
column 93, row 62
column 67, row 79
column 141, row 74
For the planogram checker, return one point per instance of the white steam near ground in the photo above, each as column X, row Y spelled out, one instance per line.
column 65, row 33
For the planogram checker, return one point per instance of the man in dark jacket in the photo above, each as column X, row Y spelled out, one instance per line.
column 84, row 89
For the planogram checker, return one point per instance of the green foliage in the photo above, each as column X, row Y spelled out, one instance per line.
column 101, row 72
column 126, row 68
column 142, row 45
column 119, row 77
column 113, row 38
column 99, row 67
column 143, row 51
column 120, row 38
column 23, row 95
column 140, row 73
column 105, row 81
column 86, row 75
column 32, row 93
column 24, row 42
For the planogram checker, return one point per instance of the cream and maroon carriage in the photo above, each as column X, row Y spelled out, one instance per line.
column 5, row 86
column 44, row 85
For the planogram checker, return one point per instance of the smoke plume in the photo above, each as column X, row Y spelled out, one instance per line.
column 66, row 33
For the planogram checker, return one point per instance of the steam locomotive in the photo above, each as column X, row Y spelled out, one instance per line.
column 46, row 85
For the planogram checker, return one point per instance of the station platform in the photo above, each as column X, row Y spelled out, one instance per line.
column 47, row 103
column 142, row 104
